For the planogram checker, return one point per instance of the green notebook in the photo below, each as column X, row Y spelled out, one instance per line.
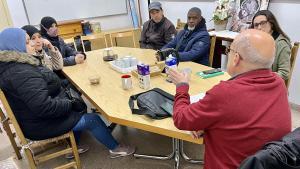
column 205, row 76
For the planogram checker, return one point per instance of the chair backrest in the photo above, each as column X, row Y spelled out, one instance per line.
column 122, row 35
column 294, row 53
column 12, row 118
column 71, row 41
column 212, row 49
column 93, row 37
column 180, row 25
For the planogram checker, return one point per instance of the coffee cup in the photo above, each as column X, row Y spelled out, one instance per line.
column 126, row 82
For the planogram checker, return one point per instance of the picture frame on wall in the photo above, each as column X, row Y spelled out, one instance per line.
column 243, row 12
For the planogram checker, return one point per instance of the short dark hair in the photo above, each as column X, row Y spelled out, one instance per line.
column 270, row 18
column 196, row 10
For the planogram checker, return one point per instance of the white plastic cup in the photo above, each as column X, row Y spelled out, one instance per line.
column 127, row 62
column 133, row 61
column 187, row 71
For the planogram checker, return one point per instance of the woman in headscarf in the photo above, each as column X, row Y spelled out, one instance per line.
column 43, row 47
column 42, row 113
column 49, row 31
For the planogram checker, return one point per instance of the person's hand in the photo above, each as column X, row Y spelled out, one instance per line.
column 178, row 77
column 197, row 134
column 48, row 45
column 157, row 57
column 79, row 58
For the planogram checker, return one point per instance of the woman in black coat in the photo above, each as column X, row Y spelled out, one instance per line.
column 33, row 93
column 49, row 31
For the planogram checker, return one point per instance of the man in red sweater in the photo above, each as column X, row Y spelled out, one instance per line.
column 240, row 115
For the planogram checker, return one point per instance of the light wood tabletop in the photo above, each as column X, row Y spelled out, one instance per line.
column 112, row 101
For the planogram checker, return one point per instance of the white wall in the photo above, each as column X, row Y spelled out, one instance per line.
column 290, row 23
column 108, row 22
column 285, row 11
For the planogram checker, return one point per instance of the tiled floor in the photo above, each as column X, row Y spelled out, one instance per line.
column 97, row 157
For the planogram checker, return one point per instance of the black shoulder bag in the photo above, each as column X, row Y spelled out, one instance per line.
column 155, row 103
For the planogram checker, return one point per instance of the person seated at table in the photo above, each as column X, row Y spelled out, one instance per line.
column 240, row 115
column 49, row 31
column 265, row 20
column 192, row 43
column 54, row 60
column 42, row 113
column 157, row 31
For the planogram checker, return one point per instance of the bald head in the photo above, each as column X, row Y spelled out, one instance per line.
column 251, row 50
column 256, row 47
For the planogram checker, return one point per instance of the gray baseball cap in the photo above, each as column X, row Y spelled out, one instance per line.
column 155, row 5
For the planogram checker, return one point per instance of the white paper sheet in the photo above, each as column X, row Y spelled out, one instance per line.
column 197, row 97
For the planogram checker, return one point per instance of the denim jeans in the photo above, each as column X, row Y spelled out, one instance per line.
column 93, row 123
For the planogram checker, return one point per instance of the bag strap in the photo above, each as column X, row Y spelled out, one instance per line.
column 164, row 93
column 139, row 111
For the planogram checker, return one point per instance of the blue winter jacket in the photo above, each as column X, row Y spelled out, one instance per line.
column 195, row 45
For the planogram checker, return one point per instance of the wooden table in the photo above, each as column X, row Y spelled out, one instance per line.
column 112, row 101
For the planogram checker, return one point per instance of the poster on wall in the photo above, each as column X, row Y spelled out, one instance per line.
column 244, row 11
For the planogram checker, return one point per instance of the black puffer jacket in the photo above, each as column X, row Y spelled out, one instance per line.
column 31, row 94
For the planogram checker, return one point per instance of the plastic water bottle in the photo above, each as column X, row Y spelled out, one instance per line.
column 171, row 63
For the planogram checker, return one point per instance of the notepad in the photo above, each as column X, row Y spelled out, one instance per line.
column 197, row 97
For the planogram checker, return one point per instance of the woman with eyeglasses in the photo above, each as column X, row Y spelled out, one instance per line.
column 265, row 20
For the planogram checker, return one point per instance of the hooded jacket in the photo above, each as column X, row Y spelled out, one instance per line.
column 32, row 92
column 192, row 45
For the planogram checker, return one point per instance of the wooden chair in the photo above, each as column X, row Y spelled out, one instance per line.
column 180, row 25
column 71, row 41
column 212, row 49
column 93, row 37
column 27, row 145
column 6, row 126
column 121, row 35
column 294, row 53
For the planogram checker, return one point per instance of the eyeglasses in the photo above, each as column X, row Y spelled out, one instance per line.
column 262, row 23
column 228, row 49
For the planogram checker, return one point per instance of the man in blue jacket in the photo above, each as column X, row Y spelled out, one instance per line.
column 193, row 41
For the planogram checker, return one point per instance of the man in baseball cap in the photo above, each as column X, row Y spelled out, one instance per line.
column 157, row 31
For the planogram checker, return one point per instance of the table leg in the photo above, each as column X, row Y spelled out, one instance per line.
column 159, row 157
column 177, row 151
column 186, row 158
column 177, row 154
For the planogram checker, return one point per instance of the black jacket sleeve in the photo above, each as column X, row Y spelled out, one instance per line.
column 70, row 53
column 31, row 87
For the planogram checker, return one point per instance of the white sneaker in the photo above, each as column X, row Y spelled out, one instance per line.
column 121, row 151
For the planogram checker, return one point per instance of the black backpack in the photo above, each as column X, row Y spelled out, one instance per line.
column 155, row 103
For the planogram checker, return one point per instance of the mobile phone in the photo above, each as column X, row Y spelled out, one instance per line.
column 212, row 71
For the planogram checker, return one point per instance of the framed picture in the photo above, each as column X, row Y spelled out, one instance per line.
column 243, row 12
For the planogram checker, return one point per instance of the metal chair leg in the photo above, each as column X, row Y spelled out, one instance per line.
column 186, row 158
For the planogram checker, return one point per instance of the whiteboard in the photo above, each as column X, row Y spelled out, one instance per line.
column 72, row 9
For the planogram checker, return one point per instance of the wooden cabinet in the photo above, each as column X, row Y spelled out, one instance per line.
column 69, row 29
